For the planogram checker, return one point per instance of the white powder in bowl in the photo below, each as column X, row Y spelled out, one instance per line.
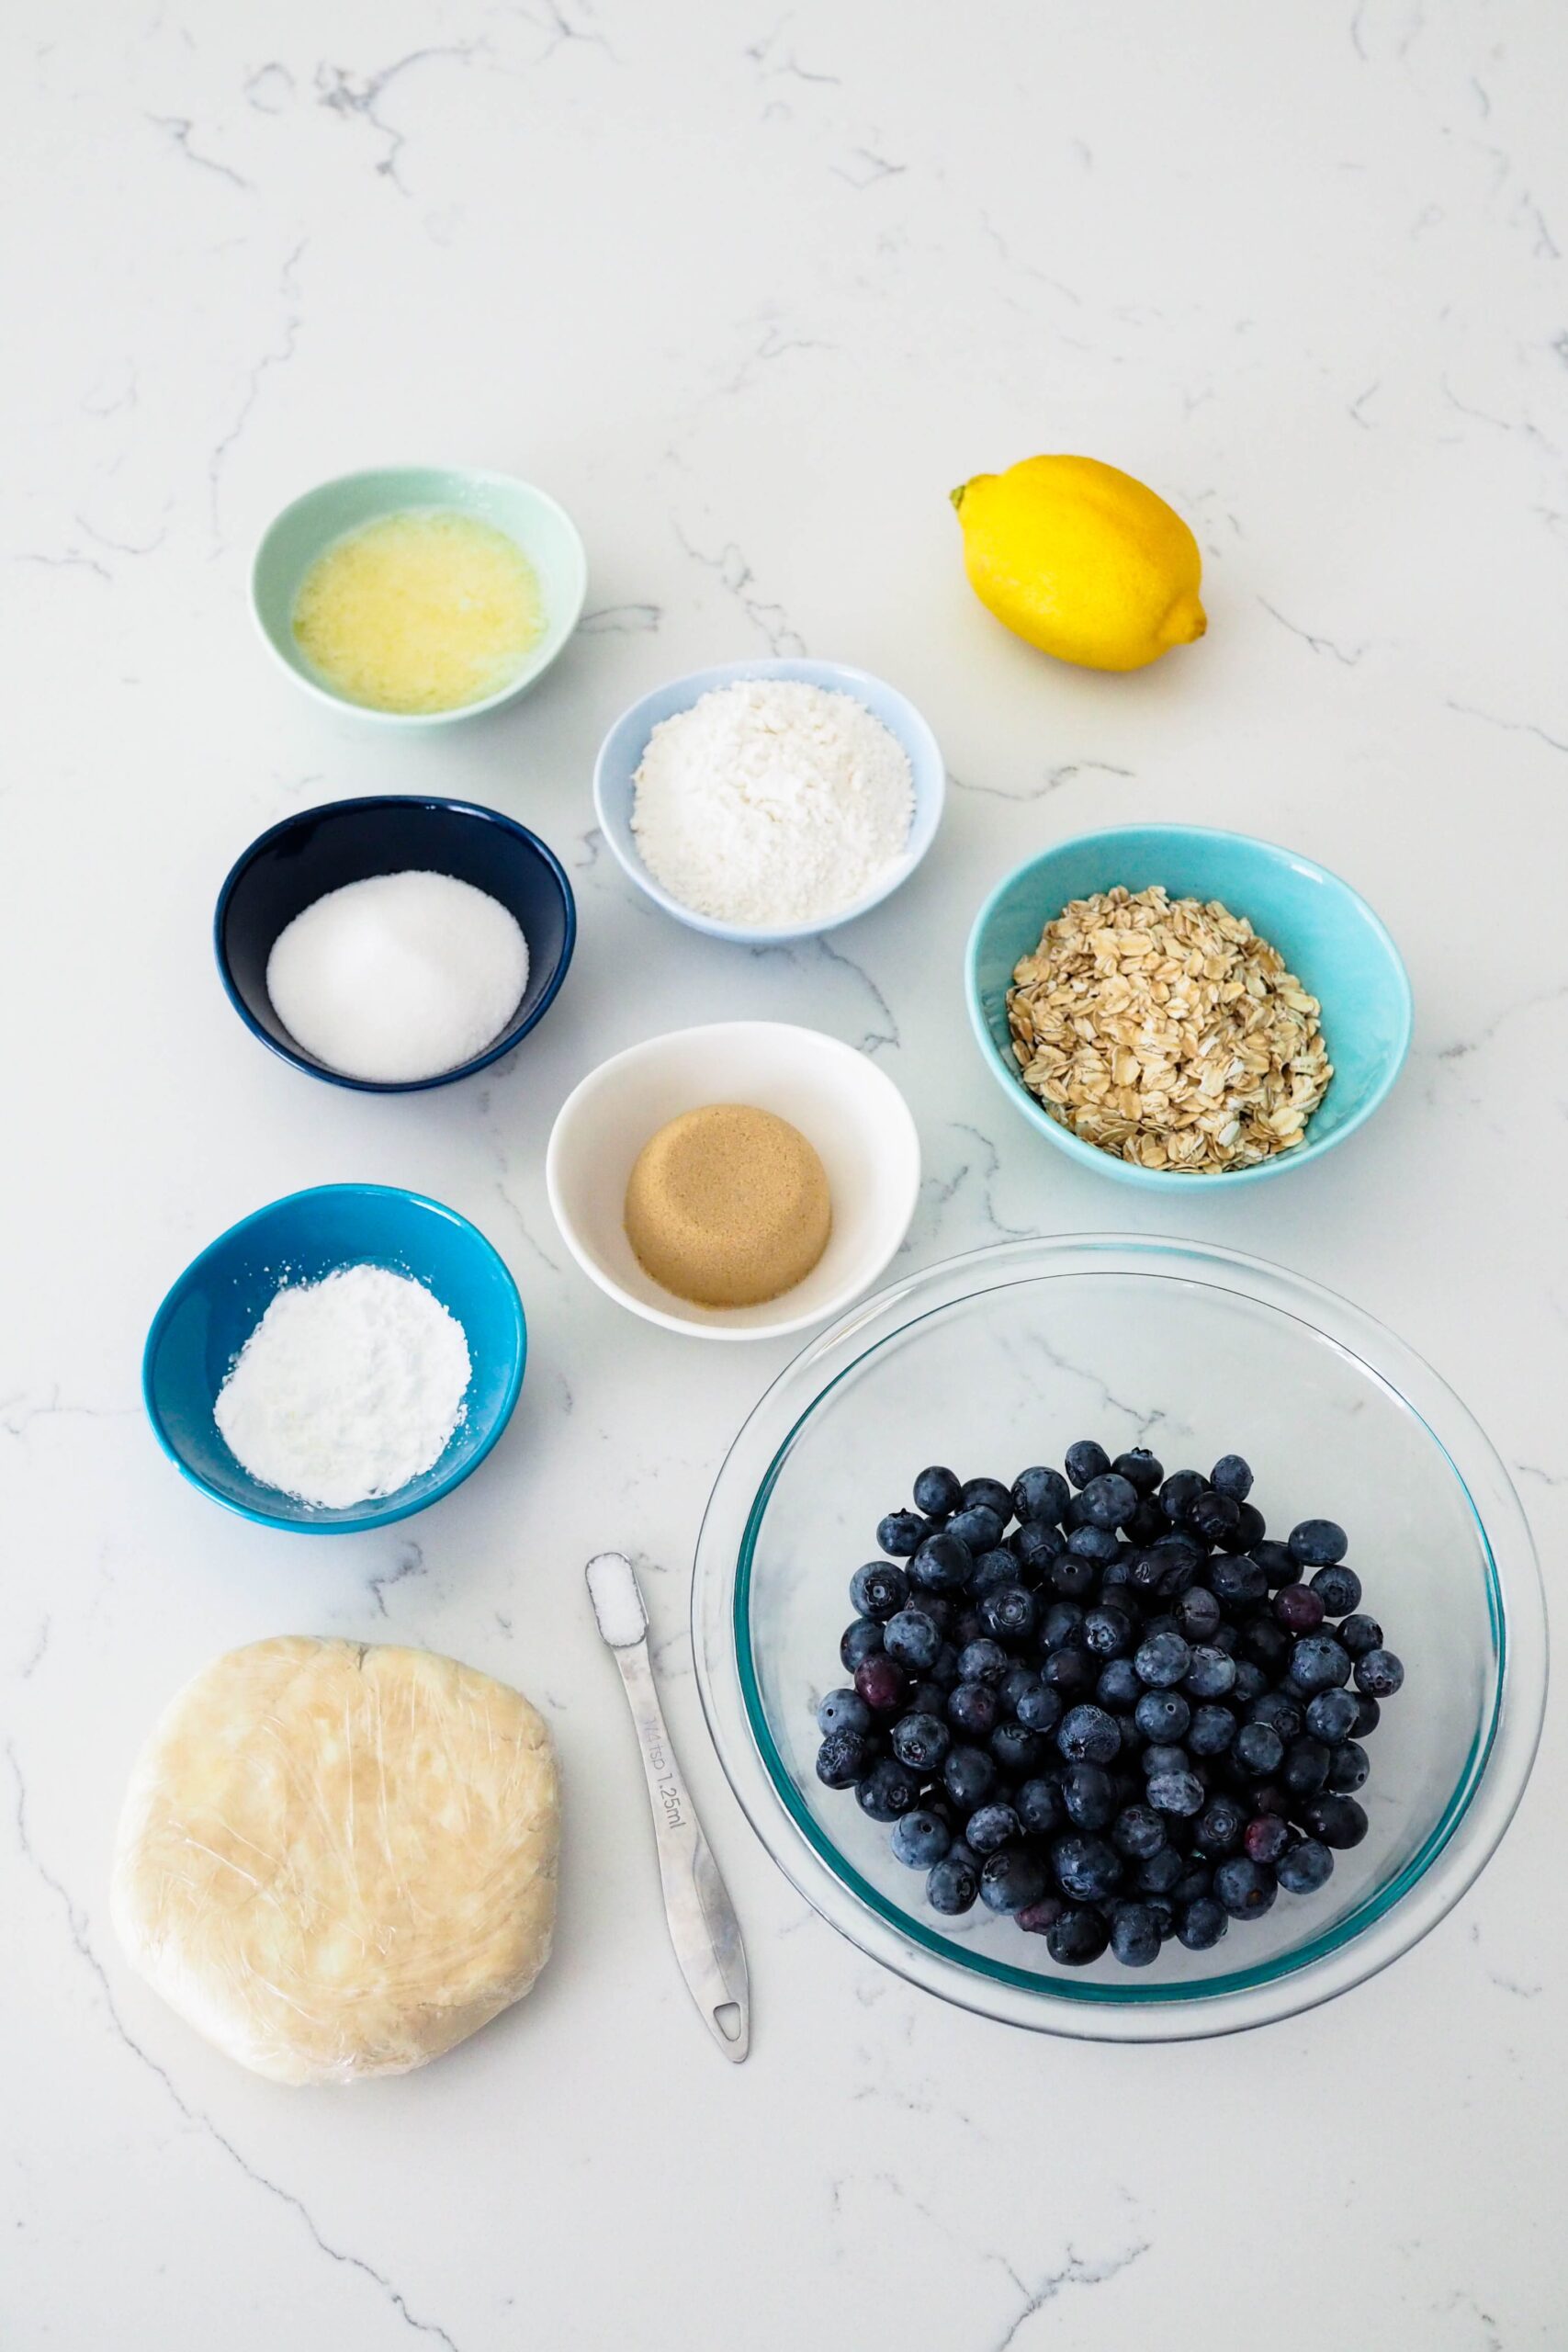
column 399, row 977
column 772, row 801
column 347, row 1387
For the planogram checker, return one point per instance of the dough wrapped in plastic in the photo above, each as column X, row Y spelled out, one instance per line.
column 338, row 1859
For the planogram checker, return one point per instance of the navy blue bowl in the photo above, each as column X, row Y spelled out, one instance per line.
column 287, row 868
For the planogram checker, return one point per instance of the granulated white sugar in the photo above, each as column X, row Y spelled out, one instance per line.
column 347, row 1387
column 399, row 976
column 772, row 801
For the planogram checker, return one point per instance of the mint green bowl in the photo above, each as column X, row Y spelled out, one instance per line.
column 1329, row 937
column 545, row 532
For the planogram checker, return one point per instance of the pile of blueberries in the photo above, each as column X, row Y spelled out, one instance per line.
column 1130, row 1717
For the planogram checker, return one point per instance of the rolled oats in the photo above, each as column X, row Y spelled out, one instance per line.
column 1165, row 1031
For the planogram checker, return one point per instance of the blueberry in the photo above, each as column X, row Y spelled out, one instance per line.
column 921, row 1838
column 1249, row 1529
column 1210, row 1673
column 1018, row 1750
column 973, row 1708
column 987, row 1494
column 1379, row 1674
column 1086, row 1461
column 1199, row 1614
column 944, row 1668
column 888, row 1789
column 1134, row 1935
column 974, row 1525
column 1109, row 1501
column 1359, row 1634
column 1159, row 1871
column 861, row 1640
column 1062, row 1627
column 1140, row 1469
column 1086, row 1867
column 968, row 1774
column 1338, row 1588
column 1162, row 1715
column 1107, row 1630
column 1318, row 1543
column 1276, row 1563
column 1038, row 1918
column 1177, row 1793
column 1245, row 1888
column 1010, row 1613
column 983, row 1660
column 1317, row 1663
column 1094, row 1543
column 1162, row 1660
column 878, row 1591
column 1138, row 1831
column 1089, row 1796
column 1369, row 1715
column 1259, row 1750
column 1230, row 1475
column 901, row 1533
column 1118, row 1685
column 920, row 1742
column 1068, row 1672
column 1264, row 1837
column 1178, row 1494
column 1237, row 1581
column 937, row 1493
column 1015, row 1684
column 1162, row 1756
column 1331, row 1716
column 1038, row 1804
column 1013, row 1879
column 953, row 1887
column 842, row 1759
column 1338, row 1820
column 991, row 1827
column 1279, row 1709
column 1089, row 1735
column 1040, row 1708
column 1299, row 1608
column 1266, row 1644
column 1305, row 1768
column 993, row 1570
column 942, row 1563
column 1078, row 1937
column 1039, row 1494
column 1220, row 1826
column 1201, row 1923
column 1147, row 1525
column 843, row 1710
column 1302, row 1868
column 1210, row 1730
column 881, row 1683
column 1250, row 1682
column 1213, row 1516
column 1034, row 1545
column 1347, row 1768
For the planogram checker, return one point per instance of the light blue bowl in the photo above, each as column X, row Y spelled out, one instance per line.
column 1328, row 936
column 621, row 753
column 222, row 1296
column 530, row 517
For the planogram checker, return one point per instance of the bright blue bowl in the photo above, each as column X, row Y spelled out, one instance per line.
column 620, row 755
column 1328, row 936
column 222, row 1296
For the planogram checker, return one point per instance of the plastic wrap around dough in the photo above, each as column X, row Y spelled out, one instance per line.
column 338, row 1860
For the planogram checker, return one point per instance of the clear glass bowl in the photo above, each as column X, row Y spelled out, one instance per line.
column 1002, row 1358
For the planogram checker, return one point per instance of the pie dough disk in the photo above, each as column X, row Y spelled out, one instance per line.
column 338, row 1859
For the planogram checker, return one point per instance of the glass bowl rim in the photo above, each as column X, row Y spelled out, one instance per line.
column 1321, row 1965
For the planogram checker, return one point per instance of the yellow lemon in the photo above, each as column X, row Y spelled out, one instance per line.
column 1082, row 560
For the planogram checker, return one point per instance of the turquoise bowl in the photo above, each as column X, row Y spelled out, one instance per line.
column 1328, row 936
column 222, row 1295
column 545, row 532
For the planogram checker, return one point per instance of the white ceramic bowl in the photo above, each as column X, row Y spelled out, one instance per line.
column 841, row 1102
column 620, row 755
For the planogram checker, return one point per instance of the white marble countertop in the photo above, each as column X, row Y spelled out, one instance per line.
column 748, row 290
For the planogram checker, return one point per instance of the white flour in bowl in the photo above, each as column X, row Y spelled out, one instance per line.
column 770, row 802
